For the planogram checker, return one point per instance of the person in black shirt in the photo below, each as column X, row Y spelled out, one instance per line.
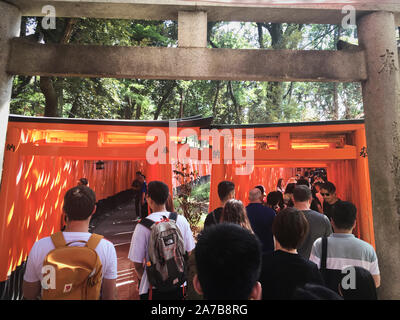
column 226, row 191
column 284, row 269
column 228, row 261
column 328, row 192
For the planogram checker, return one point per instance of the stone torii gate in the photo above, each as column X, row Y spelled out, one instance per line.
column 375, row 63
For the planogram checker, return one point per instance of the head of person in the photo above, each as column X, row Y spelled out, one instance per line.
column 157, row 194
column 328, row 192
column 344, row 216
column 79, row 203
column 262, row 190
column 290, row 227
column 317, row 186
column 228, row 260
column 139, row 176
column 288, row 194
column 83, row 182
column 255, row 195
column 235, row 212
column 311, row 291
column 303, row 182
column 275, row 200
column 290, row 187
column 362, row 288
column 302, row 195
column 226, row 190
column 280, row 183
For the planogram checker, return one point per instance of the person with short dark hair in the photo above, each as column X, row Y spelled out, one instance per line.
column 288, row 195
column 83, row 182
column 262, row 189
column 228, row 260
column 343, row 248
column 363, row 287
column 233, row 212
column 226, row 191
column 261, row 218
column 275, row 201
column 284, row 269
column 79, row 206
column 157, row 197
column 328, row 192
column 319, row 224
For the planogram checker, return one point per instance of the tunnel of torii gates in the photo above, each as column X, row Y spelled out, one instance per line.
column 46, row 156
column 374, row 63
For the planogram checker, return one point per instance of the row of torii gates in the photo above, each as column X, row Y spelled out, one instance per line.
column 375, row 63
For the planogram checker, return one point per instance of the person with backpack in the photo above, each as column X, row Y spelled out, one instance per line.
column 73, row 264
column 160, row 246
column 342, row 249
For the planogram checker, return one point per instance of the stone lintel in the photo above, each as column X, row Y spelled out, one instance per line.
column 29, row 58
column 239, row 10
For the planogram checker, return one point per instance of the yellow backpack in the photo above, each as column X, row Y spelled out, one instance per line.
column 71, row 272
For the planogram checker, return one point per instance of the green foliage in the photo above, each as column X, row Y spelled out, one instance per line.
column 201, row 192
column 228, row 102
column 188, row 205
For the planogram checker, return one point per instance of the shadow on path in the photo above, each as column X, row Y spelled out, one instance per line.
column 117, row 225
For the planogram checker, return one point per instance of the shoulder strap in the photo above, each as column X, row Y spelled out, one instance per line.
column 324, row 253
column 173, row 216
column 94, row 241
column 58, row 239
column 147, row 222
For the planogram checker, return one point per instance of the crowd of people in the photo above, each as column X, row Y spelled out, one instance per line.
column 296, row 242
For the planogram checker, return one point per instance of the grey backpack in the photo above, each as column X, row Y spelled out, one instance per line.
column 167, row 265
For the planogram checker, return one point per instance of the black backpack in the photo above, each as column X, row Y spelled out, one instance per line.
column 332, row 277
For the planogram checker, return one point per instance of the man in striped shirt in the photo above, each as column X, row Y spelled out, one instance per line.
column 344, row 249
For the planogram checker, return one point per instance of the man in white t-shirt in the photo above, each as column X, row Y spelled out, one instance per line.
column 79, row 206
column 157, row 196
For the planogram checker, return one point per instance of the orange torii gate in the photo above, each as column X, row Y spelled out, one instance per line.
column 45, row 157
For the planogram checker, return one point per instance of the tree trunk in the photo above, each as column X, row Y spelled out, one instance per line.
column 335, row 110
column 181, row 111
column 235, row 103
column 74, row 108
column 47, row 88
column 165, row 97
column 46, row 83
column 260, row 35
column 138, row 111
column 214, row 107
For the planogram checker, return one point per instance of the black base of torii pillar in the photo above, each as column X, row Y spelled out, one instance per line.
column 381, row 96
column 10, row 23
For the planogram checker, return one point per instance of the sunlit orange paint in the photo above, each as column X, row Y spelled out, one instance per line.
column 51, row 157
column 10, row 214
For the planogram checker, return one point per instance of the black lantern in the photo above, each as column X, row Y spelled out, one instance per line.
column 99, row 165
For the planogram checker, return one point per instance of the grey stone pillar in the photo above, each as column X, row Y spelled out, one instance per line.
column 10, row 22
column 381, row 96
column 192, row 29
